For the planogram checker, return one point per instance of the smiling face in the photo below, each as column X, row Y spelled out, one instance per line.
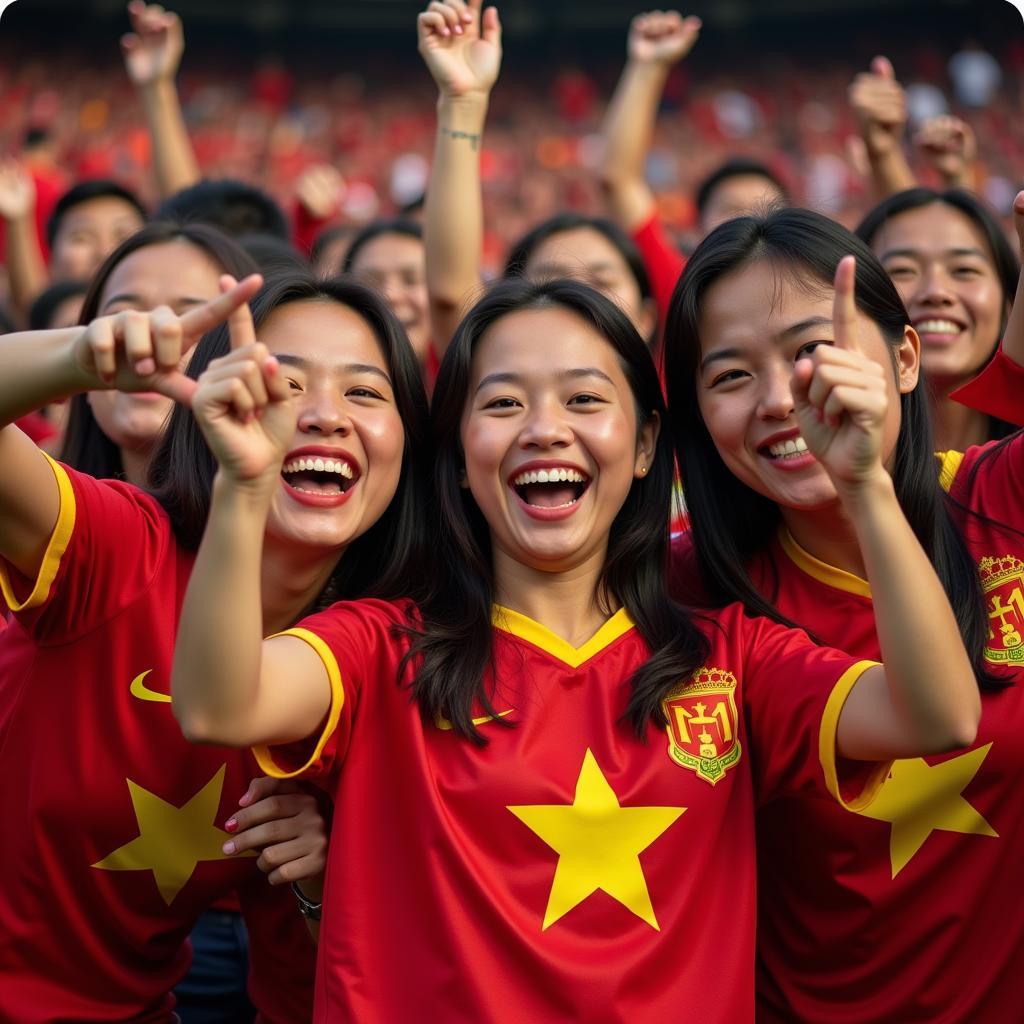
column 585, row 254
column 176, row 274
column 755, row 323
column 550, row 438
column 943, row 269
column 346, row 460
column 395, row 265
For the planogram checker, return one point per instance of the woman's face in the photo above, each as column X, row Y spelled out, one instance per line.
column 89, row 232
column 756, row 321
column 550, row 439
column 584, row 254
column 176, row 274
column 395, row 266
column 943, row 269
column 346, row 460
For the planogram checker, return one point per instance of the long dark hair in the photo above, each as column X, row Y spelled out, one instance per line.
column 731, row 521
column 389, row 559
column 454, row 638
column 85, row 446
column 1004, row 259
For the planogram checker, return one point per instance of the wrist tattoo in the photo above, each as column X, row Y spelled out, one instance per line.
column 472, row 137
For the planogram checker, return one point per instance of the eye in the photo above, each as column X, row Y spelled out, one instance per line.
column 901, row 272
column 729, row 377
column 502, row 404
column 586, row 399
column 362, row 391
column 966, row 271
column 806, row 350
column 294, row 385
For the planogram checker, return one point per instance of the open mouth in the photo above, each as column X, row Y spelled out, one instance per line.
column 791, row 448
column 316, row 475
column 558, row 487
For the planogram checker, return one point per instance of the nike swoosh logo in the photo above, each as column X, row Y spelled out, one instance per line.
column 143, row 692
column 443, row 723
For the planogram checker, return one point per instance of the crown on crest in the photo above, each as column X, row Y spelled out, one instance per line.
column 992, row 571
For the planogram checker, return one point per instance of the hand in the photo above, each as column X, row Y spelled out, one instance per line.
column 880, row 106
column 662, row 37
column 319, row 189
column 840, row 395
column 152, row 51
column 461, row 49
column 285, row 825
column 948, row 144
column 17, row 191
column 138, row 351
column 243, row 405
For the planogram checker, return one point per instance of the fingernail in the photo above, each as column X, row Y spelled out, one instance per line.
column 231, row 824
column 245, row 799
column 228, row 847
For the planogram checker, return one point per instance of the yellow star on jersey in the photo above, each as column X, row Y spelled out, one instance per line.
column 172, row 840
column 917, row 798
column 598, row 843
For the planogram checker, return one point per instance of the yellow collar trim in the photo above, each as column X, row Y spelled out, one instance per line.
column 822, row 571
column 949, row 466
column 540, row 636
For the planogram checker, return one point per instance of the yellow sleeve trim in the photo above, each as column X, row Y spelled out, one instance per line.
column 949, row 466
column 55, row 548
column 264, row 756
column 827, row 742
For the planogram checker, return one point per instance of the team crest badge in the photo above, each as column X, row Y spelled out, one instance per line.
column 1003, row 582
column 703, row 724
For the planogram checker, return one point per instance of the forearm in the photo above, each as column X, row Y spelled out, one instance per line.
column 218, row 653
column 628, row 131
column 26, row 270
column 890, row 172
column 931, row 685
column 174, row 161
column 37, row 367
column 453, row 233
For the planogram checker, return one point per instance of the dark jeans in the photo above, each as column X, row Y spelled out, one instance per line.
column 214, row 990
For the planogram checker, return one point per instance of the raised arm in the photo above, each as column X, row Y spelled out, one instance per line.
column 228, row 686
column 657, row 42
column 26, row 270
column 925, row 698
column 880, row 107
column 462, row 50
column 152, row 52
column 948, row 144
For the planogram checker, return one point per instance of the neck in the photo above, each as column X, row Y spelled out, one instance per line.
column 956, row 427
column 136, row 465
column 565, row 601
column 828, row 535
column 291, row 582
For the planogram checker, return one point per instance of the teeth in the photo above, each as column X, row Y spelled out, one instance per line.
column 938, row 327
column 319, row 465
column 549, row 476
column 794, row 446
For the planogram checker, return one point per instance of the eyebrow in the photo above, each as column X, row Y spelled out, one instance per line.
column 787, row 332
column 184, row 300
column 517, row 378
column 914, row 254
column 304, row 364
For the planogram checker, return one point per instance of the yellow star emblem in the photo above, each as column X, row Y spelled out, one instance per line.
column 172, row 840
column 917, row 798
column 598, row 843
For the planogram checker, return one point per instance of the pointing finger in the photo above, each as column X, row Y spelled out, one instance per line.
column 882, row 67
column 844, row 310
column 196, row 322
column 241, row 330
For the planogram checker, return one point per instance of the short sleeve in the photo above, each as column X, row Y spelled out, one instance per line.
column 106, row 546
column 794, row 692
column 663, row 262
column 997, row 391
column 360, row 645
column 989, row 480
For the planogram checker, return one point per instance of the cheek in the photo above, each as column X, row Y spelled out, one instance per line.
column 384, row 439
column 985, row 301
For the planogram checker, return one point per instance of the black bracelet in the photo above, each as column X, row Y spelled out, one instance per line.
column 307, row 908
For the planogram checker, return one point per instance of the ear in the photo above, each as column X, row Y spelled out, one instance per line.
column 646, row 442
column 908, row 360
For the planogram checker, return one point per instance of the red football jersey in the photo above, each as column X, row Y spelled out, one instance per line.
column 996, row 390
column 112, row 837
column 567, row 870
column 906, row 912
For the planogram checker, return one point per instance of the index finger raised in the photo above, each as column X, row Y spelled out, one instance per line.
column 844, row 309
column 196, row 322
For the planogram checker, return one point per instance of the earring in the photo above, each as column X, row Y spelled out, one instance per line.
column 643, row 471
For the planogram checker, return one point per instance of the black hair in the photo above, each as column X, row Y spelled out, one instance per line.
column 376, row 228
column 85, row 446
column 392, row 557
column 738, row 167
column 732, row 522
column 84, row 192
column 327, row 237
column 44, row 306
column 521, row 253
column 233, row 206
column 1004, row 258
column 452, row 645
column 273, row 255
column 6, row 323
column 36, row 135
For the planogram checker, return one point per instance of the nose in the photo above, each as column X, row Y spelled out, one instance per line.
column 934, row 288
column 775, row 398
column 325, row 415
column 546, row 427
